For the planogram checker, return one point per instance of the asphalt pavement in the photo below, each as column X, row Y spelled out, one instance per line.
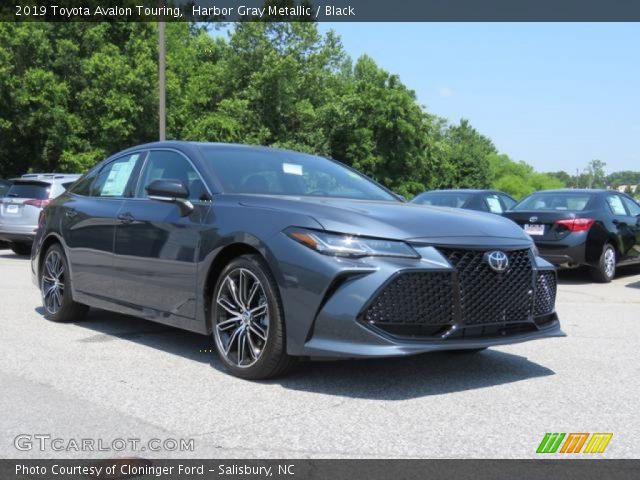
column 113, row 378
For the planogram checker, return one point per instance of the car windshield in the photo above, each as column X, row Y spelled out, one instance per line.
column 35, row 190
column 288, row 173
column 443, row 199
column 550, row 201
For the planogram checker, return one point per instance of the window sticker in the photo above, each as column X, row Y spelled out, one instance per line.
column 118, row 177
column 292, row 168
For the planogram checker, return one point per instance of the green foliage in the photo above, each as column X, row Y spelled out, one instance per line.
column 518, row 178
column 72, row 93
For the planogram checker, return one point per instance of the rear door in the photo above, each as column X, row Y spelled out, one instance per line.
column 634, row 211
column 89, row 220
column 624, row 225
column 156, row 248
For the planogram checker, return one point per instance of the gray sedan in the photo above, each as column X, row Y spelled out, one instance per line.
column 280, row 255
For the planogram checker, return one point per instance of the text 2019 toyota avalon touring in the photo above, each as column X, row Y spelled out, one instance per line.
column 281, row 255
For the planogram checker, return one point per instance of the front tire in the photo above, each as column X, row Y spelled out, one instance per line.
column 605, row 271
column 55, row 288
column 248, row 320
column 21, row 248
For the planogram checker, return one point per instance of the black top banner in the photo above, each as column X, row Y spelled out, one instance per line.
column 323, row 10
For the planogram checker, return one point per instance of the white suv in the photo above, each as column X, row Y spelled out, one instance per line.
column 20, row 208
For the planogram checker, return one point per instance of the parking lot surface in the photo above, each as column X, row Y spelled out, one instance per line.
column 116, row 377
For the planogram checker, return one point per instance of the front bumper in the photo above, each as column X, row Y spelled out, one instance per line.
column 326, row 307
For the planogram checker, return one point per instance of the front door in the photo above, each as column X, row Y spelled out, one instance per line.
column 156, row 249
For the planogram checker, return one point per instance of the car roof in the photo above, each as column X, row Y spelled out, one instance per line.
column 462, row 190
column 186, row 145
column 577, row 190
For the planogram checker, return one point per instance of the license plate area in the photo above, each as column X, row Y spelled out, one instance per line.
column 11, row 209
column 534, row 229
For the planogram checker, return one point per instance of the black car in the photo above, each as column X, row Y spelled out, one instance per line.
column 596, row 228
column 280, row 254
column 481, row 200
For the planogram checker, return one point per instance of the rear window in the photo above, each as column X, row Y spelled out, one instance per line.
column 456, row 200
column 29, row 190
column 573, row 202
column 4, row 188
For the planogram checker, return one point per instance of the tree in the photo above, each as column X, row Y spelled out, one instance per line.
column 596, row 175
column 468, row 156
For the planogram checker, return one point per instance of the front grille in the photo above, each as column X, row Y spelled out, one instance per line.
column 414, row 298
column 487, row 297
column 473, row 296
column 545, row 293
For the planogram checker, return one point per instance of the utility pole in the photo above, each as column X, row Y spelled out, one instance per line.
column 162, row 107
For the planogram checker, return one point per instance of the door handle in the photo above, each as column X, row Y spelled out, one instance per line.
column 126, row 217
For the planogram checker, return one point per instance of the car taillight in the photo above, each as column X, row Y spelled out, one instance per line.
column 577, row 224
column 36, row 202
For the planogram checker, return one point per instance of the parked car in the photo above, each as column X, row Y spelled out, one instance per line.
column 596, row 228
column 482, row 200
column 279, row 254
column 21, row 207
column 4, row 187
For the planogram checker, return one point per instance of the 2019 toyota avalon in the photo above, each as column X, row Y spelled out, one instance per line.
column 279, row 254
column 596, row 228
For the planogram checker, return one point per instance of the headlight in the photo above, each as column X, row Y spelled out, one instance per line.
column 340, row 245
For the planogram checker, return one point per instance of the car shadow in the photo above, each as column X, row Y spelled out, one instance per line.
column 633, row 284
column 383, row 379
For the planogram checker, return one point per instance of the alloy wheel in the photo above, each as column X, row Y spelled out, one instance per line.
column 609, row 262
column 52, row 283
column 242, row 323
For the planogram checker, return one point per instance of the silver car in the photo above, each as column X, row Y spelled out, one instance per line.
column 21, row 207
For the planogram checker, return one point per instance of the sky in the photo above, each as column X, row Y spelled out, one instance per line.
column 554, row 95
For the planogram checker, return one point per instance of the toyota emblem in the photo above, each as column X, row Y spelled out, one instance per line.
column 498, row 261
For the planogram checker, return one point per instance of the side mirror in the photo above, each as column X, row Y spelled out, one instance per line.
column 171, row 191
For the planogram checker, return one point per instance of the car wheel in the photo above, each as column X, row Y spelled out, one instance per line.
column 247, row 320
column 55, row 288
column 21, row 248
column 605, row 271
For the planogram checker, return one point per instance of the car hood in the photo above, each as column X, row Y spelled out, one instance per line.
column 403, row 221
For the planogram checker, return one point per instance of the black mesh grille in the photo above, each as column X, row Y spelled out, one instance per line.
column 545, row 293
column 415, row 298
column 488, row 297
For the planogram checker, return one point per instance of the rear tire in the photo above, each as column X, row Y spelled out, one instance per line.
column 248, row 321
column 21, row 248
column 55, row 288
column 605, row 271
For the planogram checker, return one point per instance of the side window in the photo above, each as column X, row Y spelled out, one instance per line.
column 616, row 205
column 168, row 165
column 477, row 202
column 633, row 207
column 113, row 179
column 493, row 202
column 83, row 185
column 508, row 202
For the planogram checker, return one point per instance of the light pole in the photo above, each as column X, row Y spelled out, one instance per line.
column 162, row 106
